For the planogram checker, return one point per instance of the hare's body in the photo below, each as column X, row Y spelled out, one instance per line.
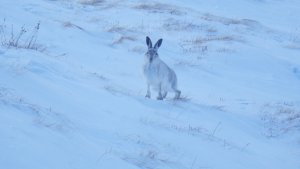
column 159, row 76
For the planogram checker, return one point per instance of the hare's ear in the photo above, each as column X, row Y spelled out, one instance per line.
column 158, row 43
column 149, row 43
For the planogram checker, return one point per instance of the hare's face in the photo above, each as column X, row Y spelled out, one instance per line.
column 152, row 51
column 151, row 54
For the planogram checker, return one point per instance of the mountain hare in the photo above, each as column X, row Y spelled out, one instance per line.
column 159, row 76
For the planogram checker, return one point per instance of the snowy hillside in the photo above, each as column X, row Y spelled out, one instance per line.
column 72, row 92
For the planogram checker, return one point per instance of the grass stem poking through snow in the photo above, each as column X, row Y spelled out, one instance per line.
column 20, row 39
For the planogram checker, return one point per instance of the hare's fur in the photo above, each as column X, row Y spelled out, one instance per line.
column 159, row 76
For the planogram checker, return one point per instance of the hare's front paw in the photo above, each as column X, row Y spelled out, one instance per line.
column 147, row 96
column 160, row 98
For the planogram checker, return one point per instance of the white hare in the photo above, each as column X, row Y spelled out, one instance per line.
column 159, row 76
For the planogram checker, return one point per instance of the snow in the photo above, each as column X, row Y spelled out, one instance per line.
column 80, row 102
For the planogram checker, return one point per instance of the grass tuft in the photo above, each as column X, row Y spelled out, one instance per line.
column 22, row 38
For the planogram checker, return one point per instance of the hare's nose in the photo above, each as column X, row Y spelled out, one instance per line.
column 151, row 58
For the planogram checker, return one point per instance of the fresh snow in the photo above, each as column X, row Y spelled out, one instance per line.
column 79, row 104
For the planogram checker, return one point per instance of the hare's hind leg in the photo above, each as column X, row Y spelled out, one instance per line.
column 164, row 95
column 148, row 95
column 177, row 93
column 159, row 97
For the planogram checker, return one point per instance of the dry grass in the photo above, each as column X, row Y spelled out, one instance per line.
column 225, row 50
column 194, row 131
column 187, row 63
column 182, row 98
column 100, row 4
column 159, row 8
column 280, row 118
column 202, row 44
column 122, row 39
column 117, row 28
column 71, row 25
column 202, row 40
column 211, row 30
column 22, row 38
column 191, row 48
column 229, row 21
column 124, row 33
column 92, row 2
column 177, row 25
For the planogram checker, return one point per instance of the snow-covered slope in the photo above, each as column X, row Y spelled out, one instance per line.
column 78, row 101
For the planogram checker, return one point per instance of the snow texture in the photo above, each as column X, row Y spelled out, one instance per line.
column 77, row 100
